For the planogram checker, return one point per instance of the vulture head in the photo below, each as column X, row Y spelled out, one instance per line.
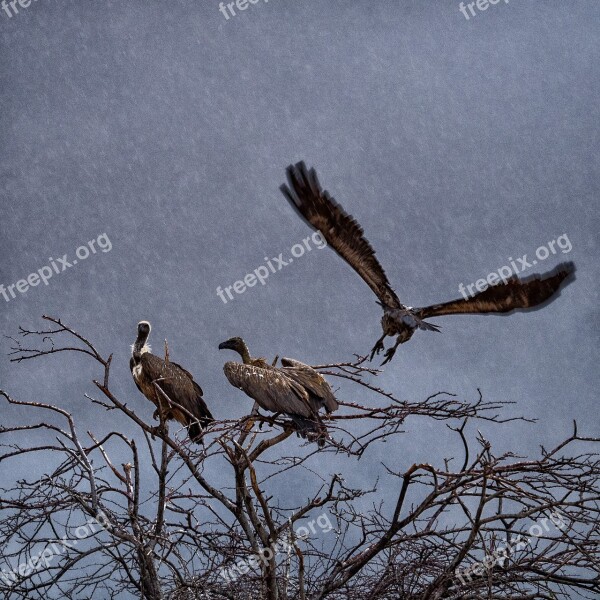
column 238, row 345
column 144, row 329
column 140, row 346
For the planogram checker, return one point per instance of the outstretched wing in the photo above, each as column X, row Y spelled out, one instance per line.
column 270, row 387
column 312, row 381
column 533, row 292
column 339, row 228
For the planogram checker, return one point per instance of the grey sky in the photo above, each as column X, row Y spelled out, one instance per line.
column 455, row 143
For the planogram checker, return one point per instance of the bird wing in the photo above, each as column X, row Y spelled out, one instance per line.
column 312, row 381
column 189, row 375
column 340, row 229
column 270, row 387
column 533, row 292
column 178, row 385
column 201, row 410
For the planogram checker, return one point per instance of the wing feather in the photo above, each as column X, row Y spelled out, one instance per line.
column 270, row 387
column 188, row 374
column 339, row 228
column 312, row 381
column 178, row 385
column 533, row 292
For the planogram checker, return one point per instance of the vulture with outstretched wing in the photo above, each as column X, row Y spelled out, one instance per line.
column 295, row 389
column 346, row 237
column 179, row 396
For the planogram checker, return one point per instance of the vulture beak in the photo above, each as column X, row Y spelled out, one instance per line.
column 226, row 345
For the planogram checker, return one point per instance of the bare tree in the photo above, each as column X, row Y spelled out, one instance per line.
column 101, row 523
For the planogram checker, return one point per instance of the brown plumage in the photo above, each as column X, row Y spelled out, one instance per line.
column 516, row 294
column 346, row 237
column 295, row 389
column 183, row 402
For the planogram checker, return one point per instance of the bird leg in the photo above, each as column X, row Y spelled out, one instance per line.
column 159, row 430
column 403, row 336
column 389, row 353
column 166, row 414
column 262, row 422
column 378, row 347
column 163, row 402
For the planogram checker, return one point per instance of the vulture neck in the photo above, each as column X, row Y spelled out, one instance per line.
column 140, row 346
column 245, row 354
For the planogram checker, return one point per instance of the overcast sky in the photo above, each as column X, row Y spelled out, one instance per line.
column 457, row 143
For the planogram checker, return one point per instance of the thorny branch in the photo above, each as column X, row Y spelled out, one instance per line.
column 161, row 522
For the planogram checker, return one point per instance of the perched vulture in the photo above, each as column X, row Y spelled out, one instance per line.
column 295, row 389
column 346, row 237
column 183, row 401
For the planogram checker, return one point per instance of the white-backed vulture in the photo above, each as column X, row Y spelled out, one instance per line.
column 346, row 237
column 295, row 389
column 183, row 402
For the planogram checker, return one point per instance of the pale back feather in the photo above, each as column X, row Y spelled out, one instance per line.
column 270, row 387
column 312, row 381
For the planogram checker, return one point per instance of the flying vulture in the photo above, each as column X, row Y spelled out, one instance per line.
column 346, row 237
column 295, row 389
column 181, row 397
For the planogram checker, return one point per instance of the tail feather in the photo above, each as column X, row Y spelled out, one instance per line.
column 195, row 429
column 195, row 433
column 310, row 429
column 425, row 326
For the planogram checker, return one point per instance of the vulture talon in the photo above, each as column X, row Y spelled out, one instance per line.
column 377, row 348
column 389, row 354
